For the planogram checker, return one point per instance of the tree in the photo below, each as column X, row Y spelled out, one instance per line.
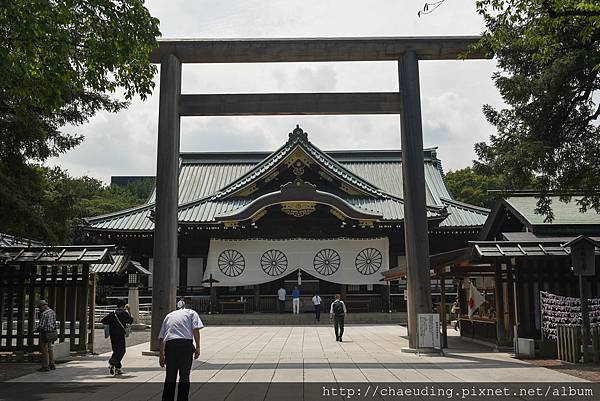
column 59, row 62
column 548, row 52
column 63, row 201
column 466, row 185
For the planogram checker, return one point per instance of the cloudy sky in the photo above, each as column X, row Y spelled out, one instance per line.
column 452, row 92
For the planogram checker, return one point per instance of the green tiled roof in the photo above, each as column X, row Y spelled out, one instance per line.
column 205, row 180
column 564, row 213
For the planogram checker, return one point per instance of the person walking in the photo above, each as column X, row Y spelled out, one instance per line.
column 117, row 322
column 281, row 293
column 296, row 301
column 316, row 300
column 178, row 332
column 455, row 310
column 338, row 313
column 48, row 334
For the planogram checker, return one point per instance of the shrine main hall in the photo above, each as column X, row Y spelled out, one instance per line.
column 326, row 221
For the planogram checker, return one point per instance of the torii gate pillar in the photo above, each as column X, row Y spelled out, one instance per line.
column 416, row 238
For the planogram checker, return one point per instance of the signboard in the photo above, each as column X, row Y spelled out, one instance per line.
column 583, row 258
column 428, row 328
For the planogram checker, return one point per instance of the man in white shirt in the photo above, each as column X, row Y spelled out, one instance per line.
column 316, row 300
column 338, row 313
column 177, row 334
column 281, row 300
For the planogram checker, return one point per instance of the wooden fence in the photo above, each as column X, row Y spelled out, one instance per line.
column 68, row 291
column 569, row 343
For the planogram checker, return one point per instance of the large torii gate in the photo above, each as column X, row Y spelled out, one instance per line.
column 173, row 105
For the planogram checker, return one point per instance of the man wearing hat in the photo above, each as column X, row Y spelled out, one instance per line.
column 47, row 329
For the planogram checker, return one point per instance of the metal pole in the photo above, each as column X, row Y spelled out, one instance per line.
column 415, row 214
column 164, row 286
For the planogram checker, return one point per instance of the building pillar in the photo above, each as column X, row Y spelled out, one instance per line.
column 343, row 291
column 256, row 298
column 416, row 237
column 164, row 286
column 133, row 299
column 443, row 315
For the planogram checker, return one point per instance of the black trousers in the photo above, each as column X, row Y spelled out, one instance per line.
column 338, row 326
column 118, row 347
column 178, row 359
column 280, row 306
column 318, row 312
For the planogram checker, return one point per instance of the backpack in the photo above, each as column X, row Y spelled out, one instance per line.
column 338, row 308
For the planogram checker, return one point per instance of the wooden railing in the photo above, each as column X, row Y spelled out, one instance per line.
column 103, row 310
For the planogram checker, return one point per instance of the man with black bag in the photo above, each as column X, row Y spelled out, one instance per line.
column 338, row 313
column 117, row 322
column 48, row 334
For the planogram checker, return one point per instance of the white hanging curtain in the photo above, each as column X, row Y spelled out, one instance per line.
column 343, row 261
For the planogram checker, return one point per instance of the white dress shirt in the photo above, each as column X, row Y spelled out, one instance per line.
column 316, row 300
column 281, row 294
column 180, row 324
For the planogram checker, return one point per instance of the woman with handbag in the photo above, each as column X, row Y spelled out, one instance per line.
column 48, row 334
column 118, row 325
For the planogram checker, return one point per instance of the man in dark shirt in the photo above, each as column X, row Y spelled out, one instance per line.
column 117, row 321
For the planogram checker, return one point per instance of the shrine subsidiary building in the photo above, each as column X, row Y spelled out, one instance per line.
column 326, row 221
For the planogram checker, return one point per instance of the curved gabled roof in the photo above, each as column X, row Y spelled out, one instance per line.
column 207, row 182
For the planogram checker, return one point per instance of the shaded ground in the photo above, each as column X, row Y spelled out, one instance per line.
column 9, row 371
column 589, row 372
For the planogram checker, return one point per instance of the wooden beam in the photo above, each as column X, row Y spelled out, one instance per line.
column 313, row 49
column 289, row 104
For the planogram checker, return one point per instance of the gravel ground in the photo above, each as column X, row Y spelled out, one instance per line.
column 589, row 372
column 102, row 345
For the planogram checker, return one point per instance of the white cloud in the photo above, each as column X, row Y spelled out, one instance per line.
column 452, row 92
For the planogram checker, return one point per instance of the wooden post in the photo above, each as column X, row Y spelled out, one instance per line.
column 3, row 289
column 31, row 276
column 73, row 306
column 585, row 315
column 443, row 308
column 499, row 296
column 83, row 319
column 92, row 308
column 21, row 307
column 63, row 314
column 164, row 287
column 418, row 280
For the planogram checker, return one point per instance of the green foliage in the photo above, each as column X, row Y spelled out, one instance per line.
column 466, row 185
column 480, row 186
column 54, row 213
column 548, row 52
column 59, row 62
column 141, row 188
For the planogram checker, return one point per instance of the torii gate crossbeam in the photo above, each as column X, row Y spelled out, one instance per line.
column 171, row 53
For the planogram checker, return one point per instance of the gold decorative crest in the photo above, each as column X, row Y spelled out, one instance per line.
column 298, row 209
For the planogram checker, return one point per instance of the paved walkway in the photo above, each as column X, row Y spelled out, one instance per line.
column 311, row 354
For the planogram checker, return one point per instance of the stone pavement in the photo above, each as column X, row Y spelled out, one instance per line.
column 270, row 354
